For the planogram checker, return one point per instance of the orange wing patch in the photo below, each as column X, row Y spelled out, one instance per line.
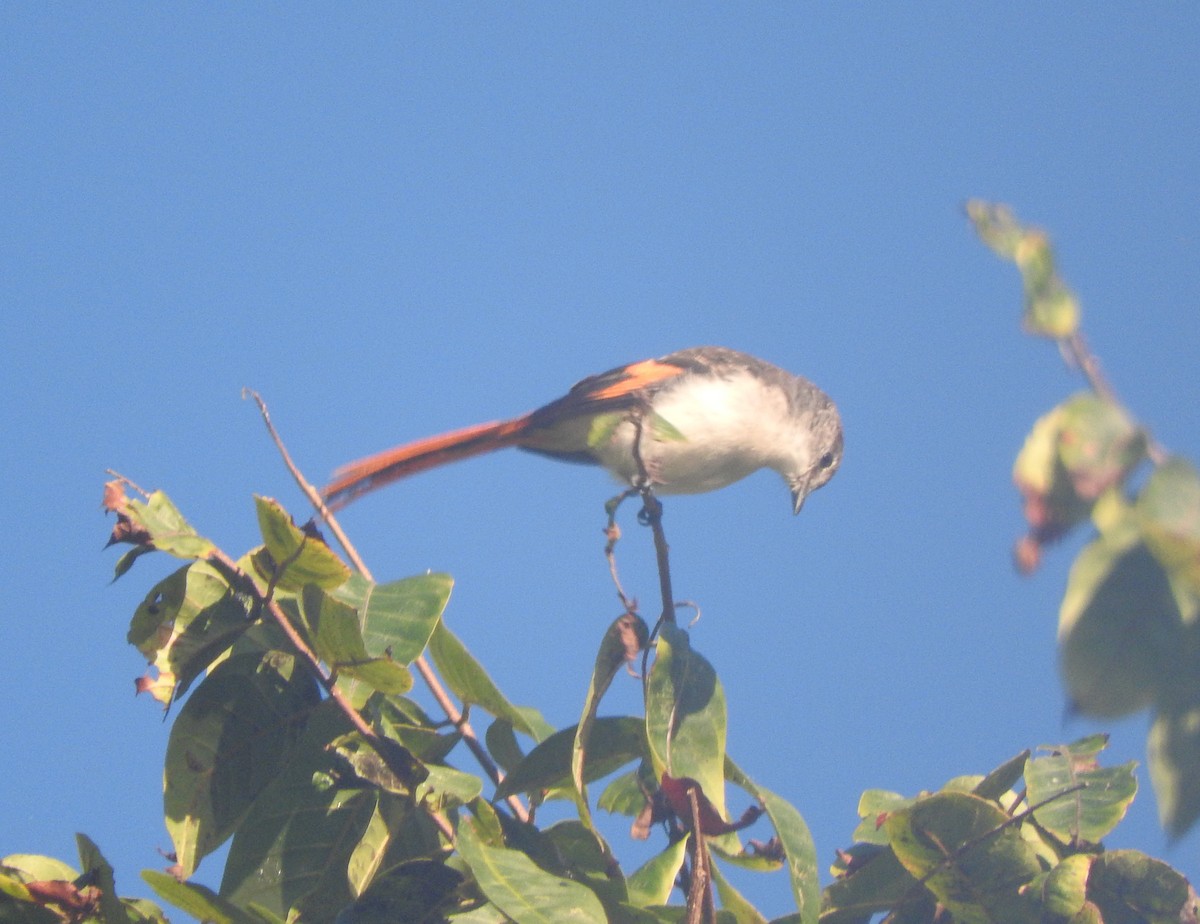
column 634, row 377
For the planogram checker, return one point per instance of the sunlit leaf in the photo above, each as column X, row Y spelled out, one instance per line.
column 199, row 901
column 100, row 873
column 614, row 742
column 799, row 850
column 735, row 903
column 304, row 558
column 685, row 716
column 874, row 805
column 184, row 623
column 519, row 888
column 624, row 639
column 968, row 856
column 1072, row 813
column 653, row 881
column 399, row 617
column 467, row 678
column 158, row 523
column 338, row 641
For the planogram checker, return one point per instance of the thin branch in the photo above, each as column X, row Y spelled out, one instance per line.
column 700, row 907
column 612, row 533
column 1078, row 354
column 453, row 714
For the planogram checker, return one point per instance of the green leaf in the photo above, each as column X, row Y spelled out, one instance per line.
column 653, row 882
column 1120, row 630
column 627, row 635
column 614, row 742
column 307, row 559
column 400, row 773
column 685, row 716
column 418, row 890
column 626, row 793
column 735, row 903
column 968, row 856
column 874, row 805
column 1099, row 444
column 1129, row 886
column 295, row 845
column 1001, row 780
column 399, row 617
column 100, row 872
column 333, row 626
column 798, row 848
column 471, row 683
column 184, row 624
column 159, row 523
column 234, row 734
column 1050, row 308
column 1173, row 761
column 1064, row 890
column 524, row 892
column 574, row 851
column 201, row 902
column 996, row 226
column 1169, row 509
column 502, row 744
column 1086, row 814
column 1072, row 456
column 870, row 880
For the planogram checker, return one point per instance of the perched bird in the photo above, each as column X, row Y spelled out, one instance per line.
column 692, row 421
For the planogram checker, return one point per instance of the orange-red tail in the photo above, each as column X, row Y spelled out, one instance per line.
column 358, row 478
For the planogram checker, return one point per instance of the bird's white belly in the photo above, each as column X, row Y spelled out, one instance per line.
column 696, row 439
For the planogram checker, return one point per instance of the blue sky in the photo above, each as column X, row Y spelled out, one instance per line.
column 396, row 220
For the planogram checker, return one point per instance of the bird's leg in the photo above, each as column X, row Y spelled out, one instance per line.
column 651, row 515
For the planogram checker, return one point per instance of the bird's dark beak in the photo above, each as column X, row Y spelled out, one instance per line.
column 798, row 494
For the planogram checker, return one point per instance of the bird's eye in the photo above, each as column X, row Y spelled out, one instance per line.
column 826, row 460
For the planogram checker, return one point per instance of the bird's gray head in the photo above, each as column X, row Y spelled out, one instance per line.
column 818, row 450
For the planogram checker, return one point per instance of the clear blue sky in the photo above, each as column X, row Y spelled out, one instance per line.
column 392, row 220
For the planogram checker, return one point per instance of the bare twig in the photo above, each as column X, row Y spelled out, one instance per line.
column 612, row 532
column 1077, row 353
column 142, row 491
column 700, row 906
column 453, row 714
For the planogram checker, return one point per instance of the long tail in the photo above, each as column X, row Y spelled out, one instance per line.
column 369, row 474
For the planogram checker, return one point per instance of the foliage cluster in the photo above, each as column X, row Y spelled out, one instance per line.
column 298, row 742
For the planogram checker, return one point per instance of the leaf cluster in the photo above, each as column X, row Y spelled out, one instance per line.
column 979, row 850
column 1129, row 636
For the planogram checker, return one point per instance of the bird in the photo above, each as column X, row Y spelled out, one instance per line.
column 692, row 421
